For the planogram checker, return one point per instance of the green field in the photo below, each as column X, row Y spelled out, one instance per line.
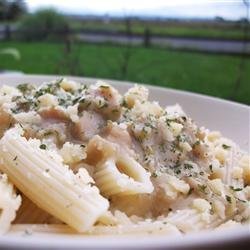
column 212, row 29
column 203, row 73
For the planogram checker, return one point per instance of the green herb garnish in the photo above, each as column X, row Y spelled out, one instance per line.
column 43, row 146
column 226, row 146
column 229, row 199
column 236, row 189
column 211, row 168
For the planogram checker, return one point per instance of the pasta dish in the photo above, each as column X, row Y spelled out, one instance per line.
column 78, row 158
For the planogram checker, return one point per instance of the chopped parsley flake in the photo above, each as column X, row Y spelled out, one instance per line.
column 211, row 168
column 43, row 146
column 229, row 199
column 236, row 189
column 197, row 143
column 25, row 87
column 48, row 133
column 178, row 171
column 124, row 103
column 154, row 175
column 226, row 146
column 202, row 188
column 104, row 86
column 188, row 166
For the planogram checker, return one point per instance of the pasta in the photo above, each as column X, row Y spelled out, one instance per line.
column 9, row 204
column 117, row 173
column 85, row 159
column 71, row 197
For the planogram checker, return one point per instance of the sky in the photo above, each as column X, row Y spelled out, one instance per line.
column 228, row 9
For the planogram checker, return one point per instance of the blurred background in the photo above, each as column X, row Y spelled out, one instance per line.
column 196, row 45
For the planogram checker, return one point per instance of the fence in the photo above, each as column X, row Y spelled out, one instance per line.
column 146, row 39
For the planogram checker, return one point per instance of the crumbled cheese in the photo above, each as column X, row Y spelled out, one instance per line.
column 72, row 153
column 165, row 130
column 69, row 85
column 72, row 112
column 147, row 108
column 220, row 154
column 47, row 100
column 7, row 93
column 213, row 136
column 217, row 186
column 138, row 93
column 201, row 205
column 185, row 146
column 176, row 128
column 174, row 111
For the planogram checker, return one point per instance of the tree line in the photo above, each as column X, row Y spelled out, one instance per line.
column 11, row 10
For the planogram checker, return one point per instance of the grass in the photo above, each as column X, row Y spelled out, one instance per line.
column 202, row 73
column 227, row 30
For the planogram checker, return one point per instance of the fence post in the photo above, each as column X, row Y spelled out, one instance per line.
column 7, row 32
column 66, row 33
column 147, row 38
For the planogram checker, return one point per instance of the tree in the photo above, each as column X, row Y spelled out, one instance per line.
column 219, row 19
column 12, row 10
column 3, row 9
column 43, row 25
column 16, row 9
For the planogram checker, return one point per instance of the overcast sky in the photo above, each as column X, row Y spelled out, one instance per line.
column 229, row 9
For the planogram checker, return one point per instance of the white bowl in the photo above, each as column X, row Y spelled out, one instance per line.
column 231, row 119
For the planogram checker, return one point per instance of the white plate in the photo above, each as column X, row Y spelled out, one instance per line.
column 232, row 119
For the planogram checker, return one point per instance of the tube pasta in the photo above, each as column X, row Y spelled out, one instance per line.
column 122, row 176
column 34, row 172
column 116, row 172
column 9, row 203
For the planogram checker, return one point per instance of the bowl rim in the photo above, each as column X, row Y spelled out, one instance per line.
column 127, row 83
column 214, row 238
